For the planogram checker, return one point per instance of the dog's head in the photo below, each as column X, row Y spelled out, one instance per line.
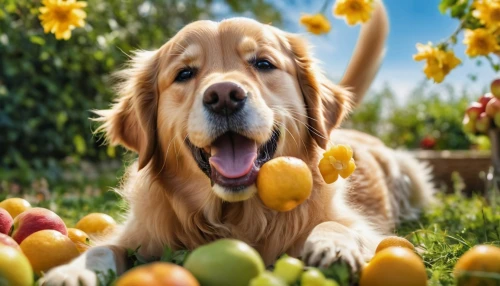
column 222, row 99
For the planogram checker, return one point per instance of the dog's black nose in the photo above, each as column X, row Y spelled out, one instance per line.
column 224, row 98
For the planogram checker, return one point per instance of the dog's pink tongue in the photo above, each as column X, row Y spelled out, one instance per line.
column 233, row 155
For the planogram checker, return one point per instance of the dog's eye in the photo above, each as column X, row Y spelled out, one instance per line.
column 263, row 65
column 185, row 74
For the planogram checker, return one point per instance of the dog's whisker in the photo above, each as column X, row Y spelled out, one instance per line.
column 293, row 137
column 313, row 130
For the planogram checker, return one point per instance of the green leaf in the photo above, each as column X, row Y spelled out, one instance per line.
column 37, row 40
column 458, row 11
column 445, row 5
column 79, row 143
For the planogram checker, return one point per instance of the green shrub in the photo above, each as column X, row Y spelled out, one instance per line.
column 47, row 87
column 427, row 113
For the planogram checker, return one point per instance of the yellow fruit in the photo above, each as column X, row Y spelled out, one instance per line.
column 15, row 269
column 225, row 262
column 284, row 183
column 337, row 161
column 157, row 274
column 96, row 224
column 48, row 248
column 394, row 266
column 394, row 241
column 15, row 206
column 480, row 258
column 80, row 238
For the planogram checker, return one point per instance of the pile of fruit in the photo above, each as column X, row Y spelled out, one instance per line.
column 33, row 240
column 483, row 115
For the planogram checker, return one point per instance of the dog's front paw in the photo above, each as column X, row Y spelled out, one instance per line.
column 323, row 251
column 69, row 275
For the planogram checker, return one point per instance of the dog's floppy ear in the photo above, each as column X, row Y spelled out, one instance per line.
column 327, row 104
column 131, row 121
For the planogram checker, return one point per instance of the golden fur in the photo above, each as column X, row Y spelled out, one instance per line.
column 171, row 200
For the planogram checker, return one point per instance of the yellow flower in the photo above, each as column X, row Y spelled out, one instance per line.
column 480, row 42
column 354, row 11
column 439, row 63
column 61, row 16
column 337, row 161
column 316, row 24
column 488, row 12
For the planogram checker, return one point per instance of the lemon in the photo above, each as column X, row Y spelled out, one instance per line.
column 394, row 266
column 48, row 248
column 15, row 206
column 96, row 224
column 480, row 258
column 284, row 183
column 225, row 262
column 394, row 241
column 15, row 269
column 157, row 274
column 79, row 238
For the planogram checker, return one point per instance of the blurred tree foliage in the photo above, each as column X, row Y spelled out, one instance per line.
column 427, row 114
column 48, row 87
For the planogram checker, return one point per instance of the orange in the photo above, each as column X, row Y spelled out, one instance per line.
column 394, row 266
column 284, row 183
column 80, row 238
column 15, row 269
column 157, row 274
column 15, row 206
column 96, row 224
column 481, row 258
column 394, row 241
column 48, row 248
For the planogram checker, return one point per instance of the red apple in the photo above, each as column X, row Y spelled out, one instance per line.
column 483, row 100
column 474, row 109
column 5, row 221
column 35, row 219
column 483, row 123
column 493, row 107
column 469, row 125
column 7, row 240
column 495, row 88
column 428, row 142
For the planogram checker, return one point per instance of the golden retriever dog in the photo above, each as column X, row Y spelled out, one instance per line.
column 212, row 105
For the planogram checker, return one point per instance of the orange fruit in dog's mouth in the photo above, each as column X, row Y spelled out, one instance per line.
column 284, row 183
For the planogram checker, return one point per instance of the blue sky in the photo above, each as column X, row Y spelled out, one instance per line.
column 411, row 21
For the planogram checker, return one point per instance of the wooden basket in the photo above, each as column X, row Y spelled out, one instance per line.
column 472, row 166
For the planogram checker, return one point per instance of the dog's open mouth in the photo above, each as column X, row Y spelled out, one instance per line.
column 233, row 161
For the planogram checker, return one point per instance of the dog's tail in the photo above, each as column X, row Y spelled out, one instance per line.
column 414, row 187
column 368, row 54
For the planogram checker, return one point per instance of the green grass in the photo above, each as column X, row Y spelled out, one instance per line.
column 442, row 234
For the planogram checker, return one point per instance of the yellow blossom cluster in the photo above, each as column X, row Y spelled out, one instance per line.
column 481, row 39
column 353, row 11
column 60, row 17
column 439, row 62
